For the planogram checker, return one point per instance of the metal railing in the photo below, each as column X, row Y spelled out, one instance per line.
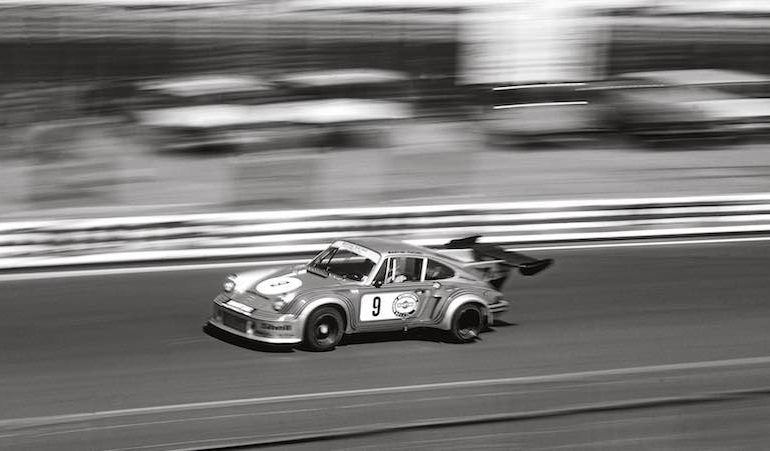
column 300, row 232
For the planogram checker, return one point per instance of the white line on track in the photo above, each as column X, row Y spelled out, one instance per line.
column 39, row 275
column 32, row 432
column 159, row 422
column 562, row 377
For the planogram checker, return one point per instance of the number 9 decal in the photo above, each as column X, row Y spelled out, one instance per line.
column 377, row 307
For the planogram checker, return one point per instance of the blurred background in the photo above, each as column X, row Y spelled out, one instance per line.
column 120, row 113
column 147, row 106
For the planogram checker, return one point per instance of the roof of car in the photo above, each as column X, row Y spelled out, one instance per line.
column 388, row 246
column 197, row 85
column 343, row 77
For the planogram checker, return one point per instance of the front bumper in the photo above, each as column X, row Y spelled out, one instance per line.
column 252, row 327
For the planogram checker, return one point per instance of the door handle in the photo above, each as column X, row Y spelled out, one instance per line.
column 419, row 291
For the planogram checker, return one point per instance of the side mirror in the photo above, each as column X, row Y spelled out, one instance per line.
column 377, row 283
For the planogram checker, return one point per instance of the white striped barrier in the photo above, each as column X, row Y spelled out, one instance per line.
column 26, row 244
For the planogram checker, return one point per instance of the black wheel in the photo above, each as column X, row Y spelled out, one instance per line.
column 323, row 329
column 467, row 324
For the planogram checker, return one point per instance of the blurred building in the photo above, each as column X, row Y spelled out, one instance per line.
column 477, row 40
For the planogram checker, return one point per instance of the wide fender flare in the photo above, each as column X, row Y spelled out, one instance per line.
column 325, row 301
column 456, row 303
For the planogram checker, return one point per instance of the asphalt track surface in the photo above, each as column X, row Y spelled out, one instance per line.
column 664, row 347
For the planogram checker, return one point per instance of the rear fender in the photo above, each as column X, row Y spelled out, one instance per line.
column 459, row 301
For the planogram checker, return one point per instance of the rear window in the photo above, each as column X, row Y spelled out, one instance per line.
column 438, row 271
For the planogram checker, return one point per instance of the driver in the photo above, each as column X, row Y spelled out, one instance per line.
column 396, row 271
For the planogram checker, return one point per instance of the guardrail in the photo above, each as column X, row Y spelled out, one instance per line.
column 28, row 244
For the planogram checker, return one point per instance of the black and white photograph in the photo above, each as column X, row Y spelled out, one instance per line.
column 368, row 225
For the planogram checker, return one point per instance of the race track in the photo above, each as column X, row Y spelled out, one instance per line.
column 121, row 361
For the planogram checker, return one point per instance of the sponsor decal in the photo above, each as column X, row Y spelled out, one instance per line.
column 264, row 329
column 278, row 285
column 405, row 305
column 276, row 327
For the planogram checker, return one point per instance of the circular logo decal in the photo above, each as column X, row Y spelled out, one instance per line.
column 405, row 305
column 278, row 285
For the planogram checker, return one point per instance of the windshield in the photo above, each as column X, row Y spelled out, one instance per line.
column 345, row 260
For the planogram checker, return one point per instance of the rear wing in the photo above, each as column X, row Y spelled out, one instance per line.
column 486, row 255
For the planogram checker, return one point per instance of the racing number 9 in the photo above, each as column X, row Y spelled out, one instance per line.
column 376, row 306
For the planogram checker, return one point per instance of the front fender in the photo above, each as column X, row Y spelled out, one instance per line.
column 308, row 308
column 456, row 303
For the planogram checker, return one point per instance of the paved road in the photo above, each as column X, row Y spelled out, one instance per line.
column 111, row 343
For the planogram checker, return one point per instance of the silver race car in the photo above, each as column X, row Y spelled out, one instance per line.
column 372, row 285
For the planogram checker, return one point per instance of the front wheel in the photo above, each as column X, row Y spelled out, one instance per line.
column 323, row 329
column 467, row 324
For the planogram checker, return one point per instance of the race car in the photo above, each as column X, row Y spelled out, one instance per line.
column 372, row 285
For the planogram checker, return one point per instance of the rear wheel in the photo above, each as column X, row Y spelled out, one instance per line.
column 467, row 324
column 323, row 329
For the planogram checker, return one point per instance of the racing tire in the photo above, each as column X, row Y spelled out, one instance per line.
column 467, row 324
column 323, row 330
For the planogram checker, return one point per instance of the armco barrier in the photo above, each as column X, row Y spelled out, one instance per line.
column 299, row 232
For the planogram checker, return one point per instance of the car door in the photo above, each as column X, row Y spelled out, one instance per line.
column 391, row 302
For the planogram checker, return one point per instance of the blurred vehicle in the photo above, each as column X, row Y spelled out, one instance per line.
column 374, row 96
column 205, row 90
column 229, row 112
column 371, row 285
column 689, row 104
column 538, row 113
column 203, row 111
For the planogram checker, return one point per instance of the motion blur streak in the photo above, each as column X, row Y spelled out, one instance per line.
column 187, row 237
column 165, row 268
column 644, row 243
column 529, row 105
column 41, row 274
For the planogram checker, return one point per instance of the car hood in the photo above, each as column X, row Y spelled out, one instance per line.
column 253, row 288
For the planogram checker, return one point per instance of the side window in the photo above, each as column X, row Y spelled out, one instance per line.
column 438, row 271
column 380, row 277
column 401, row 269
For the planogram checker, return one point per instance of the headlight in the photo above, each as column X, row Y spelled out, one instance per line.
column 278, row 305
column 229, row 284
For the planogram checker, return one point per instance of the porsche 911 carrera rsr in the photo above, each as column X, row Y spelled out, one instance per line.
column 372, row 285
